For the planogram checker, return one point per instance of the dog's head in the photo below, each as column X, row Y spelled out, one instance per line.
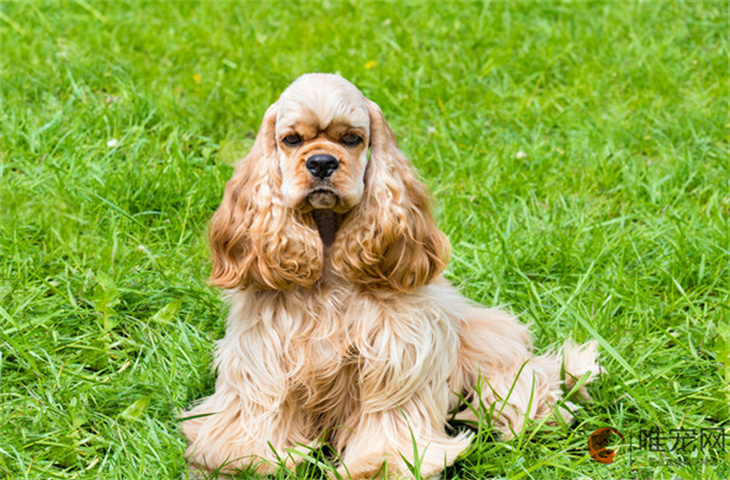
column 322, row 134
column 308, row 186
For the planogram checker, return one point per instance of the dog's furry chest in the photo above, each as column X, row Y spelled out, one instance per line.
column 307, row 337
column 322, row 350
column 320, row 354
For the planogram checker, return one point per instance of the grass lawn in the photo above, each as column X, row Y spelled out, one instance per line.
column 578, row 154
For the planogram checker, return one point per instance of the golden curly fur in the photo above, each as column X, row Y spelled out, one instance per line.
column 341, row 329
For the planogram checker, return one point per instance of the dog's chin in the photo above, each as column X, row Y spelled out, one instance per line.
column 323, row 200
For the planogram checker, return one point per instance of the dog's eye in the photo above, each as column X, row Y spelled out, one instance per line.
column 351, row 140
column 292, row 140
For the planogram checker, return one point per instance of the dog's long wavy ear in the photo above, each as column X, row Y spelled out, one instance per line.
column 389, row 240
column 256, row 240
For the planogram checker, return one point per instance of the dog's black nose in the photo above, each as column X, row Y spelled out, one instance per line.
column 322, row 165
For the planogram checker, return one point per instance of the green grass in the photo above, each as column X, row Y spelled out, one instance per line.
column 612, row 223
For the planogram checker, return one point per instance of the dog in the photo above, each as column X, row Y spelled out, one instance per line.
column 341, row 328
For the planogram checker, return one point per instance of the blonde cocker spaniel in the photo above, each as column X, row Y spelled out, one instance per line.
column 341, row 329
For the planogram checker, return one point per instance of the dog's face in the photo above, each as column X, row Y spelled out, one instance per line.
column 308, row 198
column 322, row 138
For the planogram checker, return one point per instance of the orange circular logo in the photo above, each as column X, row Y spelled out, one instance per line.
column 597, row 444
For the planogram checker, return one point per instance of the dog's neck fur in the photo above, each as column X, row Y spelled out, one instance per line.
column 327, row 223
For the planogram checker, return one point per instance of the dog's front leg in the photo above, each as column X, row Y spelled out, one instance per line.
column 382, row 443
column 405, row 361
column 248, row 421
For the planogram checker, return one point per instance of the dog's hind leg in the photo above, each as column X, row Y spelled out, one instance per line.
column 496, row 355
